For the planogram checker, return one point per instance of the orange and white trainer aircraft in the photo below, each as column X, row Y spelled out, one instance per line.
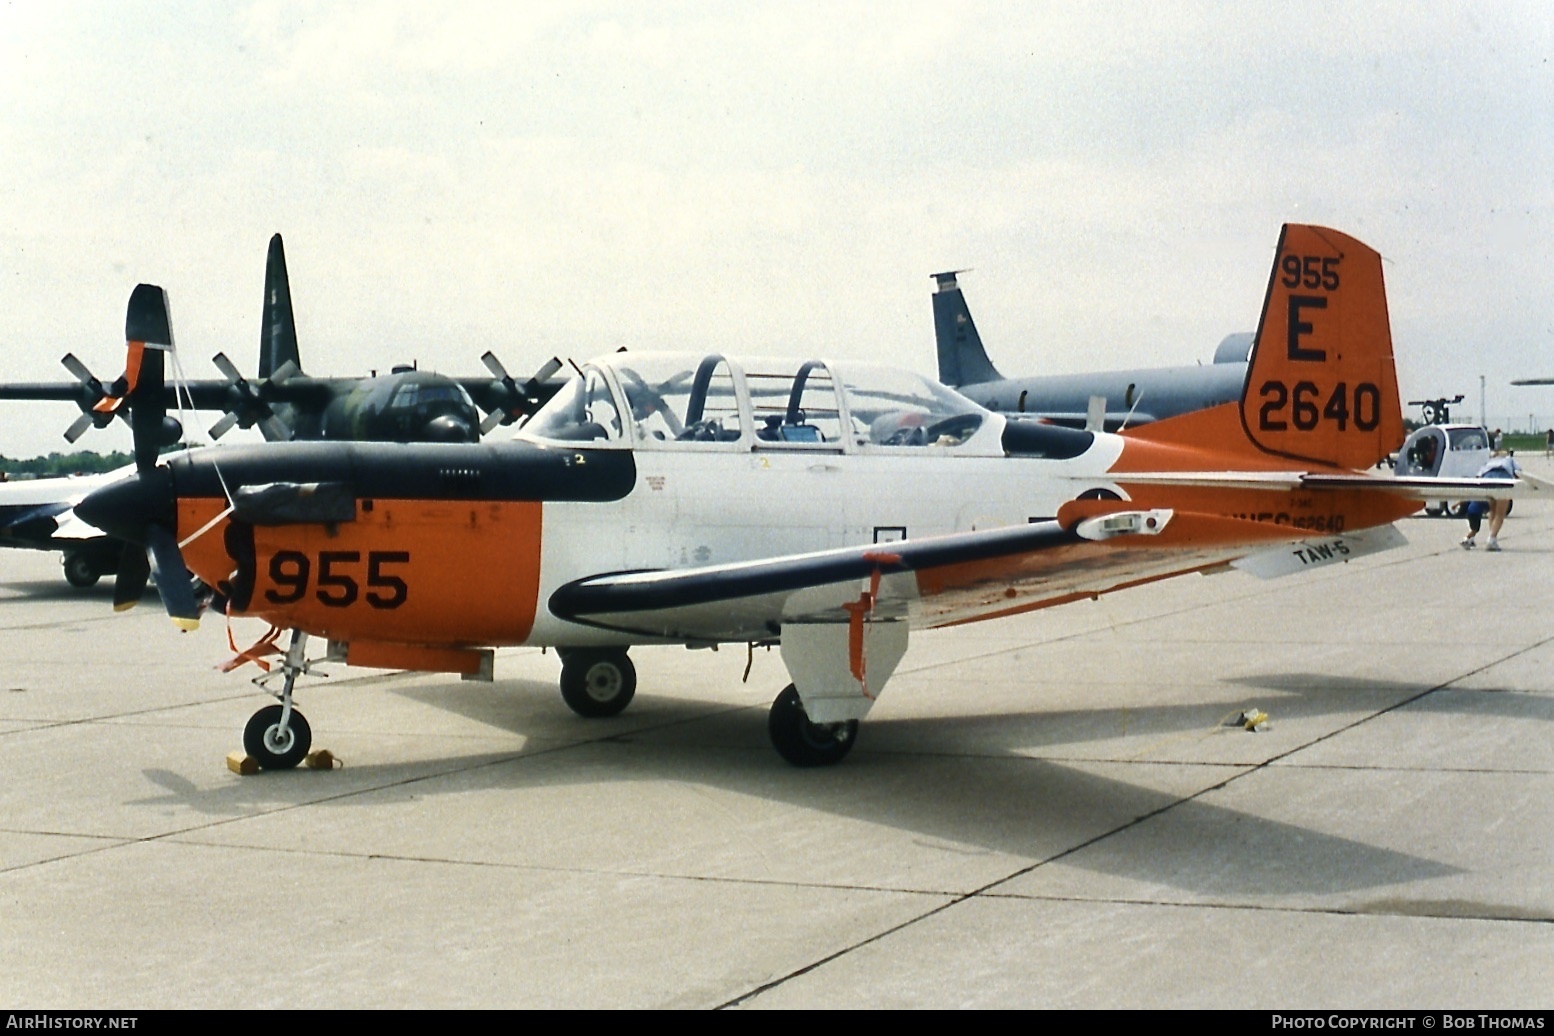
column 828, row 508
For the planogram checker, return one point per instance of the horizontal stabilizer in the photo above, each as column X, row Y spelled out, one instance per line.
column 1410, row 488
column 1329, row 550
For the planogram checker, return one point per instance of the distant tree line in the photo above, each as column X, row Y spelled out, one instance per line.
column 83, row 463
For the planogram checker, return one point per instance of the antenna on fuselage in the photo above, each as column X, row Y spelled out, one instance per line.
column 1135, row 405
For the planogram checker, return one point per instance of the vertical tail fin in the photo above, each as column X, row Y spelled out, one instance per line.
column 278, row 328
column 1321, row 385
column 962, row 360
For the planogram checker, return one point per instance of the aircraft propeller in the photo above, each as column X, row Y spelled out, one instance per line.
column 99, row 404
column 507, row 401
column 140, row 509
column 246, row 405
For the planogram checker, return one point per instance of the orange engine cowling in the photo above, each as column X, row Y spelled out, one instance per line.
column 451, row 573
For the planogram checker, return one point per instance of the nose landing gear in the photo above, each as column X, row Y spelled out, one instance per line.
column 277, row 736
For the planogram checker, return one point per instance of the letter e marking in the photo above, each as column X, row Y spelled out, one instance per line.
column 1299, row 327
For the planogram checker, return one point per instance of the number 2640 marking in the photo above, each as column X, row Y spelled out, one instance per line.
column 336, row 585
column 1303, row 406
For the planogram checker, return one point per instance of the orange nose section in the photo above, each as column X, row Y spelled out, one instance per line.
column 415, row 572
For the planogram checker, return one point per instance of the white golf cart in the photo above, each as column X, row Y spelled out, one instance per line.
column 1447, row 451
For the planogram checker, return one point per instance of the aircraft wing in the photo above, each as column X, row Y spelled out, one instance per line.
column 930, row 582
column 207, row 395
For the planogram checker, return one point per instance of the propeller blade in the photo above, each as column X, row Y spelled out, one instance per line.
column 78, row 427
column 227, row 368
column 130, row 584
column 274, row 429
column 223, row 426
column 149, row 331
column 494, row 365
column 173, row 581
column 285, row 372
column 491, row 420
column 545, row 373
column 76, row 367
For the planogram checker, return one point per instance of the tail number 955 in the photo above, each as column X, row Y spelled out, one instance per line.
column 340, row 578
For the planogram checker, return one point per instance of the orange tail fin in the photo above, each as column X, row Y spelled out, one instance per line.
column 1321, row 385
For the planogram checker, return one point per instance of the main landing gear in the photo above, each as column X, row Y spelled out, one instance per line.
column 84, row 566
column 277, row 736
column 600, row 682
column 80, row 572
column 803, row 743
column 597, row 682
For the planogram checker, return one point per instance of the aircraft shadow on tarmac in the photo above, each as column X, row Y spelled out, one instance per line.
column 31, row 591
column 997, row 802
column 1509, row 702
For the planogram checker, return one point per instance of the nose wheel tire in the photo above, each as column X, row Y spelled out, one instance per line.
column 274, row 750
column 597, row 683
column 803, row 743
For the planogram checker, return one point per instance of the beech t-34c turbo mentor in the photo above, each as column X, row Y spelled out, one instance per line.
column 827, row 508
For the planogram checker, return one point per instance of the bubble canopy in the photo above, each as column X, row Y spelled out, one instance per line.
column 709, row 401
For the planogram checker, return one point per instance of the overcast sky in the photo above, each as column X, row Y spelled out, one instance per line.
column 767, row 178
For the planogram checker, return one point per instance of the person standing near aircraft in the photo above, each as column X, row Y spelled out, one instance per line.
column 1502, row 465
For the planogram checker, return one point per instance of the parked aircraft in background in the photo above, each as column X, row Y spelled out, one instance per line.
column 702, row 500
column 405, row 405
column 1133, row 397
column 38, row 514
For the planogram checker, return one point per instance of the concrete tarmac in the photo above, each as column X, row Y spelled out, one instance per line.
column 1055, row 810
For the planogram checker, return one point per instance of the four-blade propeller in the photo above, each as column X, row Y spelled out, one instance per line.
column 504, row 399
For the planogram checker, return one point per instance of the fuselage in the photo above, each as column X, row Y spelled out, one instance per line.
column 1133, row 397
column 634, row 469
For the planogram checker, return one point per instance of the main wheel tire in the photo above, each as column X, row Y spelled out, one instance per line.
column 803, row 743
column 80, row 571
column 597, row 684
column 263, row 741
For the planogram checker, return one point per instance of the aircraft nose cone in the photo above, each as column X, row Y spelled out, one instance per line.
column 125, row 508
column 449, row 428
